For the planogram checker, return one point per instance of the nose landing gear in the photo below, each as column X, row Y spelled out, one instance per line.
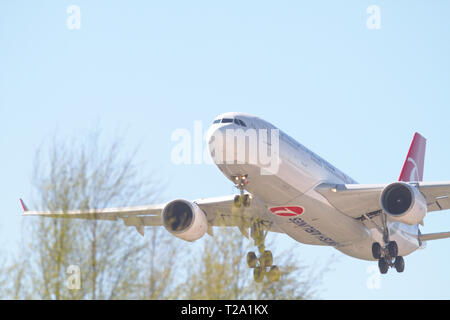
column 242, row 199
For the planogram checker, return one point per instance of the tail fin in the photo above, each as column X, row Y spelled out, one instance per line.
column 413, row 167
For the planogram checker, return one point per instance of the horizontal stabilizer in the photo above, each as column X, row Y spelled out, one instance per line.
column 434, row 236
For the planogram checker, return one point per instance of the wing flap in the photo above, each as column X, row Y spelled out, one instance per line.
column 437, row 194
column 146, row 221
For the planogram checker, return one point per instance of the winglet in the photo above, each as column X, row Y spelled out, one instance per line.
column 24, row 206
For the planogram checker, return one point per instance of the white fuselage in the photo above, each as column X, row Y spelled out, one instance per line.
column 298, row 172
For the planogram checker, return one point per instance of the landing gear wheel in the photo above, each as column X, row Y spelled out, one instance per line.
column 261, row 264
column 246, row 200
column 258, row 274
column 399, row 264
column 237, row 201
column 376, row 250
column 383, row 266
column 240, row 182
column 274, row 274
column 266, row 259
column 392, row 249
column 252, row 260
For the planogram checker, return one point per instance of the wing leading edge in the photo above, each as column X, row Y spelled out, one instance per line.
column 219, row 211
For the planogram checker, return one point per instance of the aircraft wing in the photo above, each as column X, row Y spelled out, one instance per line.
column 357, row 200
column 434, row 236
column 437, row 195
column 219, row 211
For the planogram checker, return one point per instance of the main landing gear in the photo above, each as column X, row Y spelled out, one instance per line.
column 262, row 265
column 387, row 256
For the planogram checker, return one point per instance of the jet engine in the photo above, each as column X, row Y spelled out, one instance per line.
column 404, row 203
column 184, row 220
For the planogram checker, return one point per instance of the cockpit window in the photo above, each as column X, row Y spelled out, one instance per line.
column 239, row 122
column 242, row 123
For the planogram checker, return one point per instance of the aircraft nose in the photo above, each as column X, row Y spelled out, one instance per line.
column 211, row 136
column 211, row 139
column 216, row 139
column 210, row 133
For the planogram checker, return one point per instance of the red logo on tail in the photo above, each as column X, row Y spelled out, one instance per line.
column 287, row 211
column 413, row 167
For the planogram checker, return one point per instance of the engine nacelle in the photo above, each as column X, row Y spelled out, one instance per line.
column 404, row 203
column 184, row 220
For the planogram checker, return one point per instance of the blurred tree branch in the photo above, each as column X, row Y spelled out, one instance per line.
column 88, row 173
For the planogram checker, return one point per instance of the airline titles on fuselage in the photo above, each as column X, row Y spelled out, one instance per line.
column 299, row 222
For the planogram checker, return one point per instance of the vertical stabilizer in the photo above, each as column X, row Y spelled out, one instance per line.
column 413, row 167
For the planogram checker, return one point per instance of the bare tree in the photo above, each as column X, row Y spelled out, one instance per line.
column 220, row 272
column 87, row 174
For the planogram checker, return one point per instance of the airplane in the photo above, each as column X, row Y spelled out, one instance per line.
column 303, row 196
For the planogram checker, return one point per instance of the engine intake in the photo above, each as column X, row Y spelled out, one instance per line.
column 404, row 203
column 184, row 220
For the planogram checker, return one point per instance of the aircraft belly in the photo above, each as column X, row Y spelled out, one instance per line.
column 276, row 184
column 287, row 184
column 319, row 223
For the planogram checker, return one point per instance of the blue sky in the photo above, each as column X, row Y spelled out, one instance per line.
column 352, row 95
